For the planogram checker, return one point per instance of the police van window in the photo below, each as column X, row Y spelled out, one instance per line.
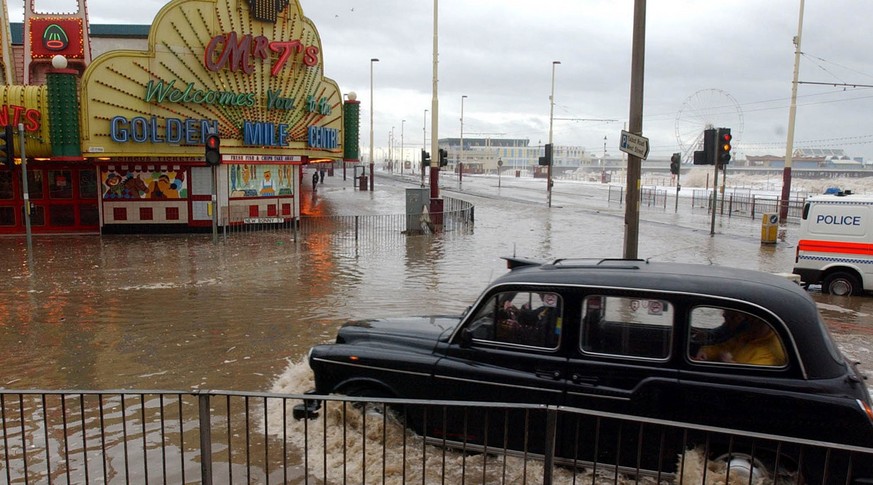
column 626, row 326
column 524, row 318
column 723, row 335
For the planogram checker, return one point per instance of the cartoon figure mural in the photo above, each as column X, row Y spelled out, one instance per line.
column 267, row 184
column 259, row 180
column 130, row 185
column 163, row 189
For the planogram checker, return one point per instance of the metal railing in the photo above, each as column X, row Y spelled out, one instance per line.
column 246, row 437
column 457, row 215
column 729, row 204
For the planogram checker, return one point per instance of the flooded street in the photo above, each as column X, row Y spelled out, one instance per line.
column 179, row 312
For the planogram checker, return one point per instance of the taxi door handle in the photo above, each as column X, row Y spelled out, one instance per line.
column 549, row 373
column 580, row 379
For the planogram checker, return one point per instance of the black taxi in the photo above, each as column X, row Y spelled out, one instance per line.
column 700, row 344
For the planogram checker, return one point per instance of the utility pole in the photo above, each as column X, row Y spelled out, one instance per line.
column 434, row 115
column 792, row 114
column 634, row 164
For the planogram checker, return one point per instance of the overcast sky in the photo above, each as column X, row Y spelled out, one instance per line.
column 727, row 63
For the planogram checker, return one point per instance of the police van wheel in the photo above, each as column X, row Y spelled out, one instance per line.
column 841, row 284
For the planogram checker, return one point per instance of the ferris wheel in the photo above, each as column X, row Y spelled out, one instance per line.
column 707, row 108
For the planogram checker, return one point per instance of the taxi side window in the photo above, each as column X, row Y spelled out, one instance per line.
column 625, row 326
column 724, row 335
column 525, row 318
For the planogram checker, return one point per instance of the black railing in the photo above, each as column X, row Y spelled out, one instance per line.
column 245, row 437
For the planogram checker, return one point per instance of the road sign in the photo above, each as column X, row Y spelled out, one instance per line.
column 636, row 145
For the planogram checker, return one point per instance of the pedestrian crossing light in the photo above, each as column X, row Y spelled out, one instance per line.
column 213, row 152
column 724, row 146
column 674, row 163
column 7, row 147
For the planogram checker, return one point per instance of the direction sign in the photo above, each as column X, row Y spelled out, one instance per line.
column 636, row 145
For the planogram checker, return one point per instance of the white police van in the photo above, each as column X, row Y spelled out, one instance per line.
column 835, row 245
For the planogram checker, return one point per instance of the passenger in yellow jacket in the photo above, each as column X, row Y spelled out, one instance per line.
column 753, row 342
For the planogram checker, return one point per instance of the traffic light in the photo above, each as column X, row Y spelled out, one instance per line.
column 7, row 147
column 547, row 159
column 213, row 153
column 674, row 163
column 444, row 157
column 425, row 159
column 704, row 157
column 723, row 155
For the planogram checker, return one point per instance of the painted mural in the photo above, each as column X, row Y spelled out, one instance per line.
column 144, row 184
column 260, row 180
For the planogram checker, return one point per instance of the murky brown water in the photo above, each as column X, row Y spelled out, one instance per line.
column 179, row 312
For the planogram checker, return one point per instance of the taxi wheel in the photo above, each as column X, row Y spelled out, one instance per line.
column 372, row 408
column 841, row 284
column 748, row 469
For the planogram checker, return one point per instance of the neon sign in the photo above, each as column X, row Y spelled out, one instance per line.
column 236, row 52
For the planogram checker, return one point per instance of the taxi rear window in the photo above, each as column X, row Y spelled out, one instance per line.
column 627, row 327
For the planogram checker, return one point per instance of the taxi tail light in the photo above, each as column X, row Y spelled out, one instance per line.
column 867, row 409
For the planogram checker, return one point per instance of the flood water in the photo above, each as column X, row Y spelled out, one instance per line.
column 180, row 312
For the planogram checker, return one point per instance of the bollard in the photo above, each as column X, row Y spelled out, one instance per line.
column 769, row 228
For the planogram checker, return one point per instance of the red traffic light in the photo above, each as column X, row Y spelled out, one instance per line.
column 213, row 155
column 726, row 142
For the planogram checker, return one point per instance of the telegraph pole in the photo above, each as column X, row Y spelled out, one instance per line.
column 634, row 163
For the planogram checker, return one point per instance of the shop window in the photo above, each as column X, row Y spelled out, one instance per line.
column 6, row 189
column 37, row 215
column 34, row 185
column 60, row 184
column 146, row 214
column 271, row 210
column 286, row 209
column 7, row 216
column 89, row 215
column 172, row 213
column 62, row 215
column 253, row 211
column 119, row 213
column 87, row 184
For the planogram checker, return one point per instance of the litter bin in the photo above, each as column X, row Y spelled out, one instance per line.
column 769, row 228
column 362, row 183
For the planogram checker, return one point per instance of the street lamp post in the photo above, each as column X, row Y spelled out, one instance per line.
column 372, row 61
column 551, row 123
column 402, row 124
column 461, row 157
column 423, row 145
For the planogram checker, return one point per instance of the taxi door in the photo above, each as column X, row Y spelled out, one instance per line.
column 621, row 363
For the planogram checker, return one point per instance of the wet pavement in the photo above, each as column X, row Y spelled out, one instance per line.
column 179, row 312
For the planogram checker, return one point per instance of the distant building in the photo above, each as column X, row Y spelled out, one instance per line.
column 481, row 155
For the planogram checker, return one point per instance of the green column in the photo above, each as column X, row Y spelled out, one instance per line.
column 63, row 107
column 351, row 130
